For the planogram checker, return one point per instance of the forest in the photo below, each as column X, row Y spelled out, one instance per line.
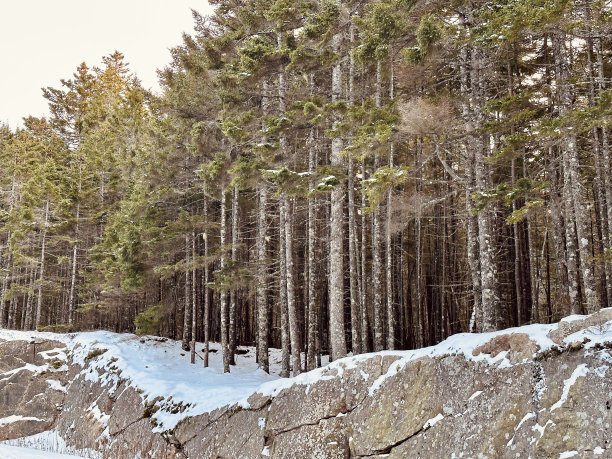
column 324, row 177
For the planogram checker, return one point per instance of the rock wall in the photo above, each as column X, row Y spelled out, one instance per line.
column 554, row 403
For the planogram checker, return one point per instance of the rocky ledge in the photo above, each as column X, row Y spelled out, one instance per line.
column 528, row 392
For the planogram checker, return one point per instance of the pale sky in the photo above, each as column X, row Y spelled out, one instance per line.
column 42, row 41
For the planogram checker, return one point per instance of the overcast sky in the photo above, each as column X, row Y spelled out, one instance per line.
column 42, row 41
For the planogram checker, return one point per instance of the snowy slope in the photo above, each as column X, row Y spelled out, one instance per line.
column 160, row 368
column 15, row 452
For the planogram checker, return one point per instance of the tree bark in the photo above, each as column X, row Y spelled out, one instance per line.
column 234, row 292
column 262, row 281
column 336, row 243
column 42, row 267
column 283, row 297
column 205, row 292
column 224, row 306
column 313, row 316
column 574, row 193
column 294, row 330
column 187, row 300
column 377, row 268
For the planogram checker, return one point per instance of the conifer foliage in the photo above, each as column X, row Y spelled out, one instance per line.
column 323, row 176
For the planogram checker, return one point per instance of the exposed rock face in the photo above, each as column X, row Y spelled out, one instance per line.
column 525, row 405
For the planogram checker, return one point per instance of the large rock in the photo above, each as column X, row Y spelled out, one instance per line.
column 533, row 402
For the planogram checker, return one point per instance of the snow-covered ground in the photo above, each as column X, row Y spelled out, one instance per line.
column 160, row 368
column 15, row 452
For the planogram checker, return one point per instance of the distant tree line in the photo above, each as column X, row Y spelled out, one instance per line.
column 324, row 177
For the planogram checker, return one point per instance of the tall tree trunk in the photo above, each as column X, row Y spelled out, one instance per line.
column 574, row 196
column 4, row 304
column 262, row 263
column 262, row 281
column 389, row 243
column 28, row 316
column 294, row 329
column 313, row 316
column 564, row 287
column 205, row 292
column 73, row 276
column 356, row 340
column 518, row 268
column 8, row 255
column 234, row 292
column 223, row 300
column 187, row 302
column 472, row 236
column 602, row 183
column 283, row 297
column 194, row 298
column 336, row 243
column 486, row 241
column 41, row 276
column 365, row 322
column 605, row 152
column 377, row 267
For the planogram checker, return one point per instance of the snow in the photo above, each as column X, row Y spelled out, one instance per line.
column 580, row 370
column 433, row 421
column 568, row 454
column 541, row 429
column 54, row 384
column 36, row 369
column 48, row 444
column 598, row 451
column 10, row 419
column 525, row 419
column 158, row 367
column 15, row 452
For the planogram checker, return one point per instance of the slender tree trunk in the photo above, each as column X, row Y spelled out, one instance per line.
column 8, row 255
column 336, row 243
column 377, row 265
column 75, row 248
column 42, row 267
column 365, row 322
column 602, row 183
column 419, row 320
column 356, row 340
column 389, row 244
column 187, row 302
column 486, row 241
column 283, row 297
column 558, row 236
column 262, row 281
column 605, row 153
column 313, row 316
column 4, row 304
column 574, row 194
column 224, row 307
column 234, row 292
column 205, row 292
column 28, row 317
column 519, row 288
column 194, row 298
column 294, row 329
column 472, row 236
